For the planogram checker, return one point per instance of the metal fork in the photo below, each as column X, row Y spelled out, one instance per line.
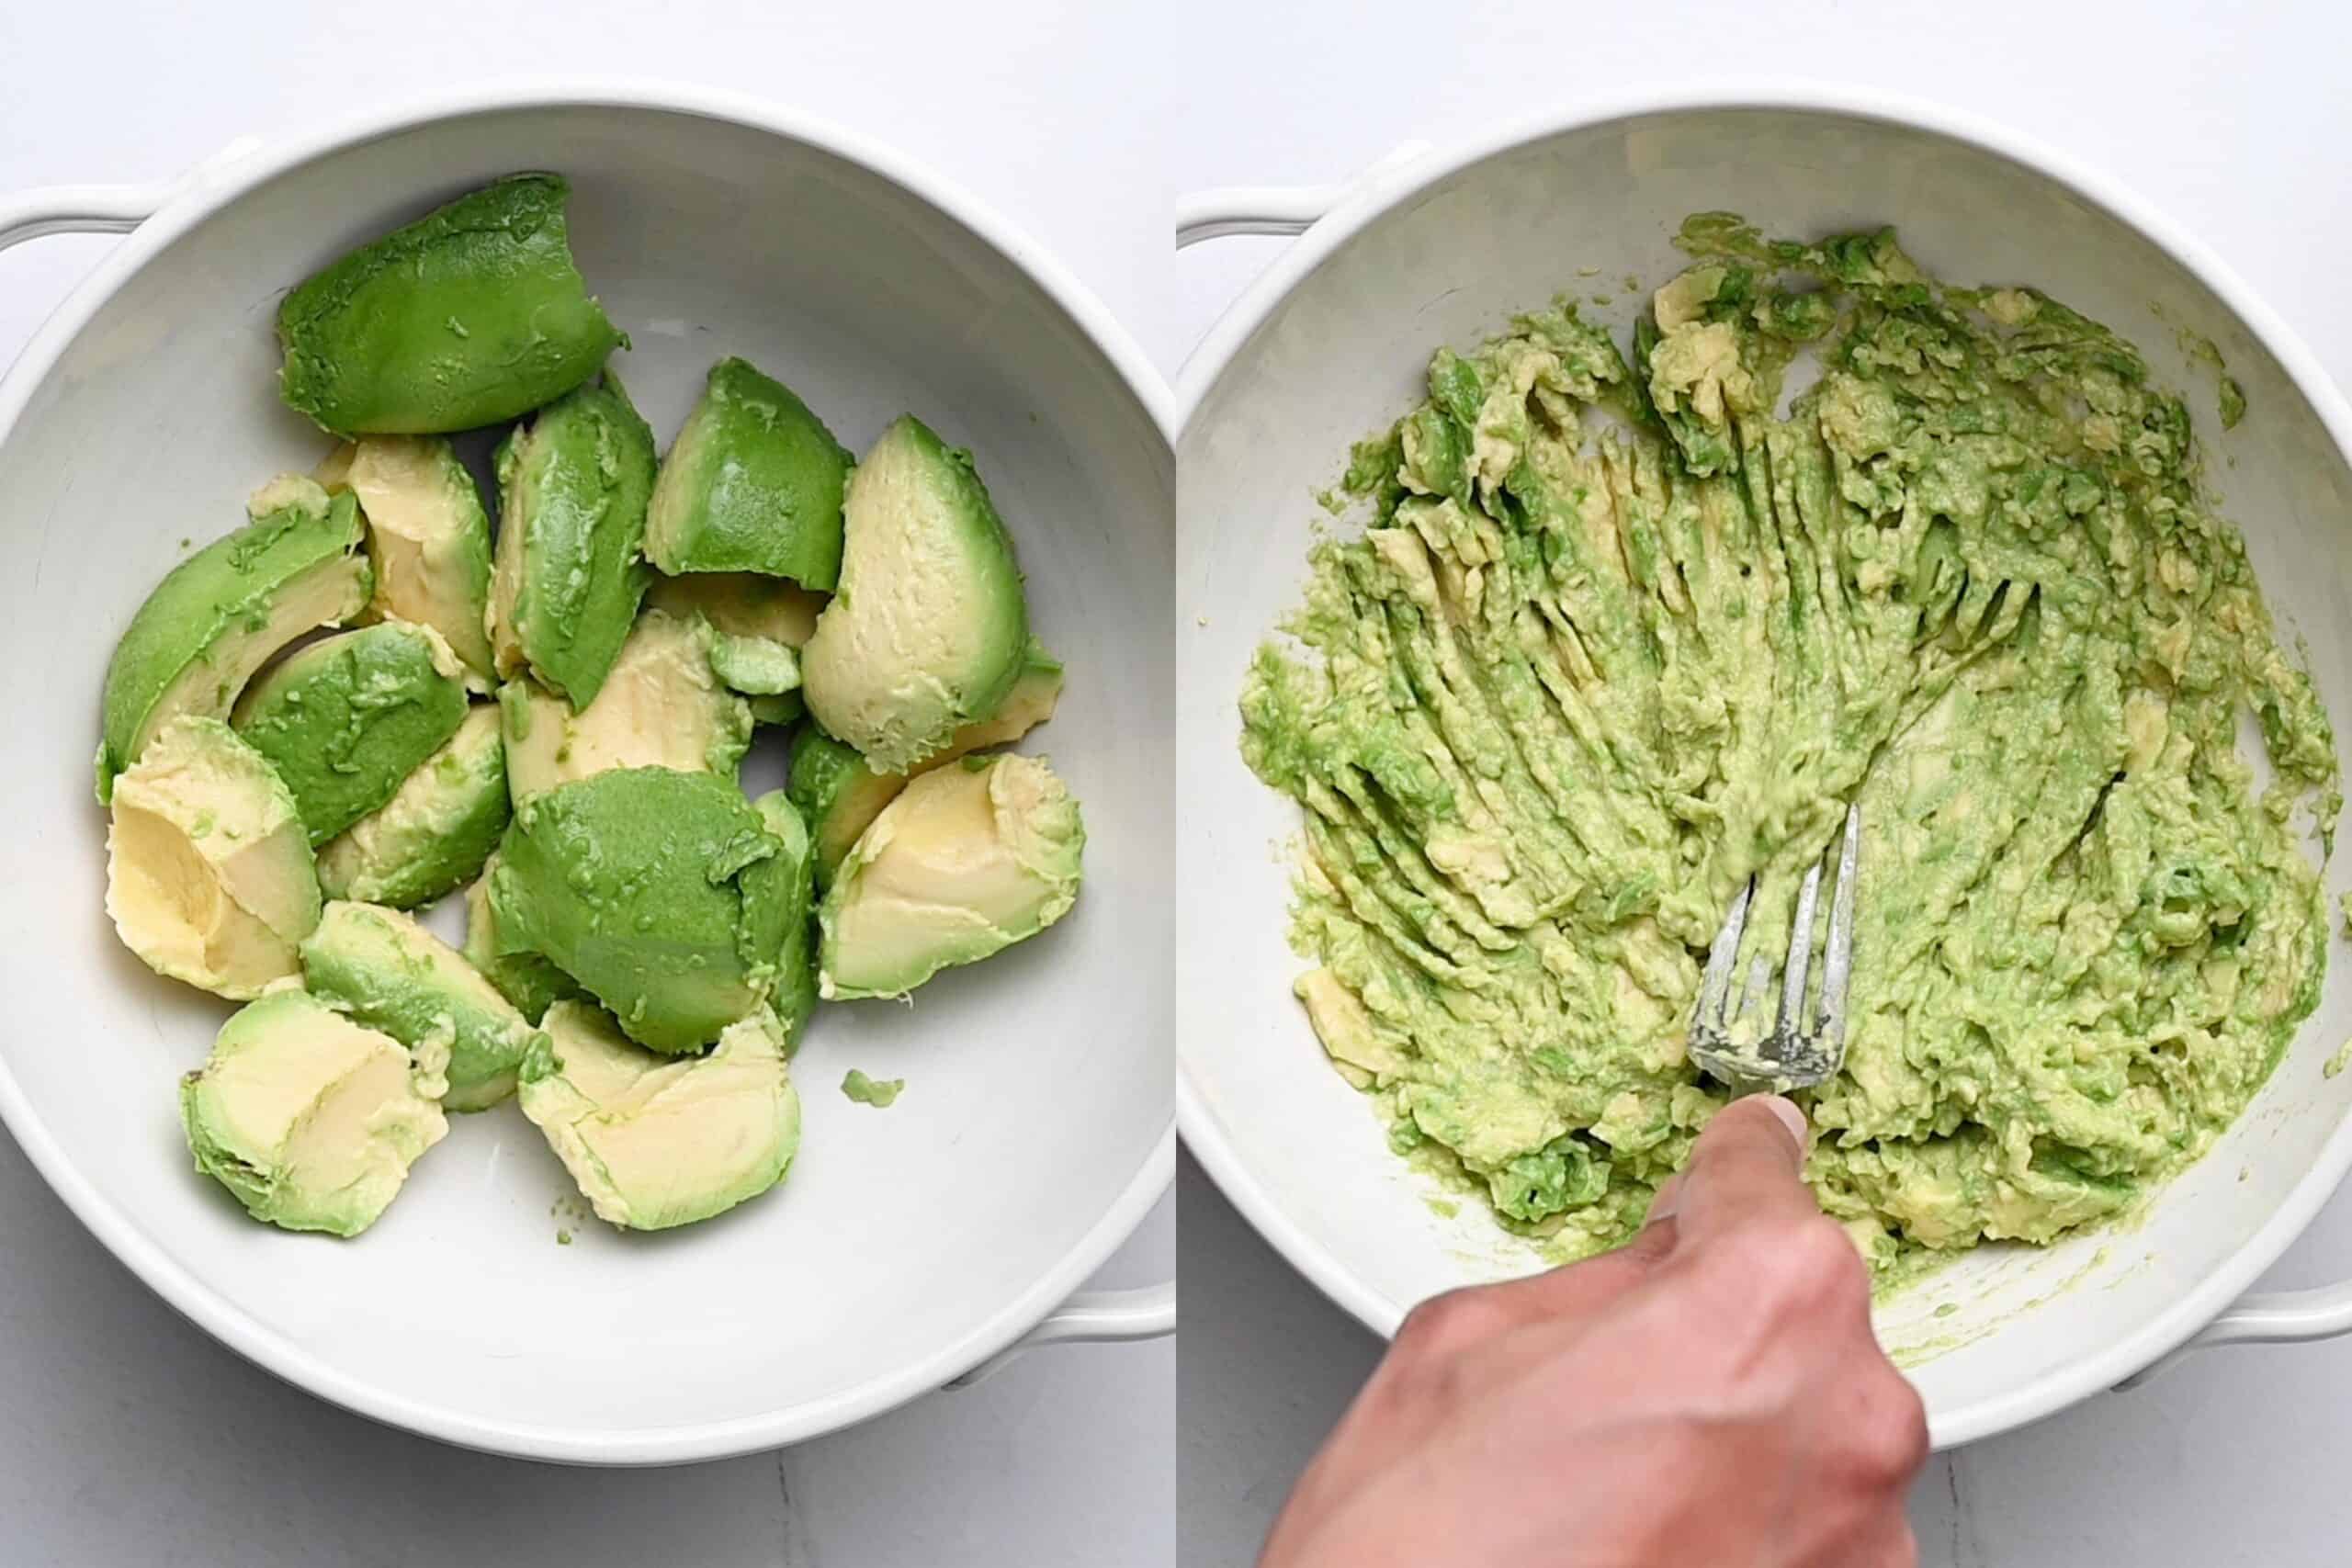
column 1794, row 1053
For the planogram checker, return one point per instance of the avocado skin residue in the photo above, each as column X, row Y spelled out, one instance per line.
column 1571, row 690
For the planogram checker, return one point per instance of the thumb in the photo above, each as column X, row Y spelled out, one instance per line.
column 1746, row 1167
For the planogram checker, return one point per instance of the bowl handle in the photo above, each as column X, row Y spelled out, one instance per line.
column 2273, row 1317
column 102, row 209
column 1275, row 209
column 1092, row 1317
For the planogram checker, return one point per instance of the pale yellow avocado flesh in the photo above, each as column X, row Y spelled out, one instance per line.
column 970, row 858
column 662, row 706
column 655, row 1141
column 209, row 877
column 427, row 536
column 310, row 1119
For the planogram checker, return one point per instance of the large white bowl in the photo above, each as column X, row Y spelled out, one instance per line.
column 1331, row 344
column 908, row 1245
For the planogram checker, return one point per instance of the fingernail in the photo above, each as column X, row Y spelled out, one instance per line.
column 1667, row 1198
column 1790, row 1117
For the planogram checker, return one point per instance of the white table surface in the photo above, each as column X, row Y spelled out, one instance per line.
column 2234, row 120
column 127, row 1439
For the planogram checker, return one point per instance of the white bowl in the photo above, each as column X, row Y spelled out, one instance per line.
column 1036, row 1129
column 1333, row 343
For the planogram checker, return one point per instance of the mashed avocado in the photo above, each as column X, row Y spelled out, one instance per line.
column 1618, row 637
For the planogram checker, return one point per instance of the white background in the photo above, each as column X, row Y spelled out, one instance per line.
column 128, row 1440
column 128, row 1437
column 2233, row 119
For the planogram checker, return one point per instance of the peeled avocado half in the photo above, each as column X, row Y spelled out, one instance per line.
column 661, row 892
column 428, row 536
column 655, row 1142
column 435, row 832
column 472, row 314
column 754, row 483
column 383, row 969
column 209, row 871
column 660, row 707
column 569, row 571
column 310, row 1119
column 929, row 627
column 839, row 792
column 223, row 612
column 347, row 719
column 969, row 859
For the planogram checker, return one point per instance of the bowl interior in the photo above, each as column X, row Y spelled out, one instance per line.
column 907, row 1243
column 1344, row 353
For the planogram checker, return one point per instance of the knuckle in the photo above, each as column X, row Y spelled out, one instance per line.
column 1442, row 1323
column 1891, row 1439
column 1804, row 1263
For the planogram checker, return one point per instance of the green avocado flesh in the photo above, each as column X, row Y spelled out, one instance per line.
column 661, row 892
column 437, row 830
column 472, row 314
column 526, row 979
column 381, row 968
column 309, row 1120
column 879, row 1093
column 754, row 483
column 569, row 571
column 1582, row 677
column 655, row 1142
column 793, row 870
column 347, row 719
column 224, row 612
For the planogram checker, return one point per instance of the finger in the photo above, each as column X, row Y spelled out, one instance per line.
column 1745, row 1168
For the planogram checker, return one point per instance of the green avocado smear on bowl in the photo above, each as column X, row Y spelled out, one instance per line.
column 1618, row 637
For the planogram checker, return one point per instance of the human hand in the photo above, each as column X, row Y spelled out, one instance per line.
column 1708, row 1394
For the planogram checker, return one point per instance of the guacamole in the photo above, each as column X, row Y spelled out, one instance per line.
column 1619, row 636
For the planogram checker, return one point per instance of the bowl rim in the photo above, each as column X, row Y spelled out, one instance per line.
column 1386, row 189
column 195, row 1298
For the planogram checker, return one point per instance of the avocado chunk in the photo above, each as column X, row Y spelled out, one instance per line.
column 840, row 793
column 754, row 483
column 225, row 611
column 784, row 707
column 662, row 706
column 795, row 867
column 428, row 535
column 655, row 1142
column 744, row 604
column 1035, row 693
column 879, row 1093
column 381, row 968
column 209, row 871
column 310, row 1119
column 572, row 489
column 755, row 666
column 929, row 628
column 969, row 859
column 654, row 889
column 437, row 830
column 526, row 979
column 472, row 314
column 346, row 720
